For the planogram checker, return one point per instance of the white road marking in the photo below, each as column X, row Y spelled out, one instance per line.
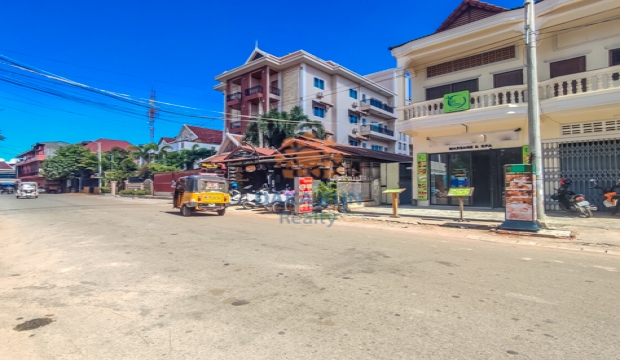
column 528, row 298
column 608, row 268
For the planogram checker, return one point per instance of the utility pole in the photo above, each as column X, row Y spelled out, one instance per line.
column 533, row 110
column 151, row 113
column 99, row 158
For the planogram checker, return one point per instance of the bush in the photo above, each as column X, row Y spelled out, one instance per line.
column 106, row 190
column 134, row 192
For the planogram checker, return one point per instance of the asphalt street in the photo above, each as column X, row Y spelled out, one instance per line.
column 129, row 279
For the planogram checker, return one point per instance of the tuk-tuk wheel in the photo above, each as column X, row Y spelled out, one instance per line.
column 221, row 212
column 185, row 211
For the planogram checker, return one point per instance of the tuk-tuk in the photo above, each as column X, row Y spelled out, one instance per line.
column 27, row 190
column 201, row 193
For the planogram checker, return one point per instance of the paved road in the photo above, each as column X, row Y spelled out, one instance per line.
column 127, row 279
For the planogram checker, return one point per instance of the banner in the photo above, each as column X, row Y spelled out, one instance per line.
column 526, row 154
column 457, row 101
column 422, row 174
column 303, row 195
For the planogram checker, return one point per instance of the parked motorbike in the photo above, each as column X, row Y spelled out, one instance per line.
column 259, row 199
column 285, row 202
column 611, row 196
column 569, row 201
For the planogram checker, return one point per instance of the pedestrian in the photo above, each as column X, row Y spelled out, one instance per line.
column 174, row 184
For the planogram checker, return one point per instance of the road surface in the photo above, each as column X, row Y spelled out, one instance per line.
column 129, row 279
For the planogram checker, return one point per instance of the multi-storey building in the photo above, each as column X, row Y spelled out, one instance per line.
column 354, row 109
column 30, row 161
column 477, row 57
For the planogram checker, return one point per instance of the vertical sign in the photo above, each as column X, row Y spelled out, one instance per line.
column 519, row 192
column 303, row 195
column 422, row 174
column 526, row 154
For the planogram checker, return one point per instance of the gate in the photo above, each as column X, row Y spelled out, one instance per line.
column 581, row 161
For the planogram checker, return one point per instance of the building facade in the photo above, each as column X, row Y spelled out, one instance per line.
column 29, row 162
column 190, row 136
column 355, row 110
column 475, row 60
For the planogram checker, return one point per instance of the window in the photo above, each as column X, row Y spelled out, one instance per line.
column 318, row 83
column 400, row 146
column 568, row 67
column 364, row 145
column 614, row 57
column 352, row 143
column 385, row 149
column 319, row 112
column 508, row 78
column 353, row 119
column 363, row 121
column 472, row 61
column 438, row 92
column 353, row 93
column 363, row 97
column 376, row 147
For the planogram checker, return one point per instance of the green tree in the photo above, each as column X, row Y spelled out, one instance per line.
column 145, row 153
column 112, row 159
column 271, row 129
column 66, row 161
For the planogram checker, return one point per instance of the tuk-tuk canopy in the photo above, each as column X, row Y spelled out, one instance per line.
column 202, row 183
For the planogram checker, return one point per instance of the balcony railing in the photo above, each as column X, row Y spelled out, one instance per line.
column 569, row 85
column 378, row 104
column 274, row 90
column 258, row 89
column 376, row 128
column 233, row 96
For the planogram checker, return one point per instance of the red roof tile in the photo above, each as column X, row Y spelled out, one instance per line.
column 464, row 6
column 5, row 166
column 167, row 139
column 207, row 136
column 107, row 145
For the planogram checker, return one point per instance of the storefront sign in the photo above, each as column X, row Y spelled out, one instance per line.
column 303, row 195
column 250, row 168
column 464, row 192
column 422, row 174
column 210, row 166
column 526, row 154
column 519, row 189
column 471, row 147
column 457, row 101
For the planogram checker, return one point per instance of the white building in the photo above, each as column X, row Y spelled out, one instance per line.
column 480, row 49
column 354, row 109
column 190, row 136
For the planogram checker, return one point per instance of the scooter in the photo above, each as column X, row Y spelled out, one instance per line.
column 259, row 199
column 611, row 196
column 572, row 202
column 286, row 201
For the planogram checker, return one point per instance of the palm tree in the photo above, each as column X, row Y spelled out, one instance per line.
column 163, row 152
column 273, row 128
column 305, row 125
column 143, row 153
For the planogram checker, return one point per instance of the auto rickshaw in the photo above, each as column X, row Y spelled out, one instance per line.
column 201, row 193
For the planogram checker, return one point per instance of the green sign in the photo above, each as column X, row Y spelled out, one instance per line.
column 526, row 154
column 459, row 192
column 457, row 101
column 422, row 174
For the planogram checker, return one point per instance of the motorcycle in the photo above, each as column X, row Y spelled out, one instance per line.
column 285, row 202
column 259, row 199
column 569, row 201
column 611, row 196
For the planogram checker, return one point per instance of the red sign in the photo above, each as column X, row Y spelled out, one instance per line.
column 303, row 195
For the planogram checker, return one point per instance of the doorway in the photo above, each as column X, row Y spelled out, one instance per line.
column 482, row 163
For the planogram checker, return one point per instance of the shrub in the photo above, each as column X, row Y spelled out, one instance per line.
column 106, row 190
column 134, row 192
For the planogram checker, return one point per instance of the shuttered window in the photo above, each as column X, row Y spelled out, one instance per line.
column 439, row 91
column 614, row 57
column 568, row 67
column 508, row 78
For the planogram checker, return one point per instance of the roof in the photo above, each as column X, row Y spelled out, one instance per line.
column 314, row 144
column 5, row 166
column 466, row 4
column 46, row 143
column 216, row 158
column 107, row 145
column 166, row 139
column 374, row 154
column 206, row 135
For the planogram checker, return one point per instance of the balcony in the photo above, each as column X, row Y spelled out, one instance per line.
column 233, row 96
column 377, row 107
column 377, row 131
column 258, row 89
column 590, row 88
column 274, row 90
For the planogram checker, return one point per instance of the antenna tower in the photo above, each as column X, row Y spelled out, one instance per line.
column 152, row 114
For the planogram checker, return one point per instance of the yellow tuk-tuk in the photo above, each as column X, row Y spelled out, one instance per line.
column 201, row 193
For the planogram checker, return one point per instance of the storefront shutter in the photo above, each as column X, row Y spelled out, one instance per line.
column 568, row 67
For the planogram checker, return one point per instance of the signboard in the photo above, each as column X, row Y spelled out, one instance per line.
column 422, row 174
column 250, row 168
column 462, row 192
column 519, row 189
column 303, row 195
column 526, row 154
column 457, row 101
column 210, row 166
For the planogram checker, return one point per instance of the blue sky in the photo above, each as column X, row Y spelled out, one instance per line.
column 177, row 48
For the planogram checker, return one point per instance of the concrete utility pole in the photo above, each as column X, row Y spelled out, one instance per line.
column 533, row 110
column 99, row 157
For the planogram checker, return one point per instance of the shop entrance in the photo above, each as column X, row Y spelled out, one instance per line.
column 482, row 170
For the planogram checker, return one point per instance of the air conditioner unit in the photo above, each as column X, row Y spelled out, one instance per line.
column 319, row 95
column 354, row 105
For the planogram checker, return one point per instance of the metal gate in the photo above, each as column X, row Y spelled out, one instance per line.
column 581, row 161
